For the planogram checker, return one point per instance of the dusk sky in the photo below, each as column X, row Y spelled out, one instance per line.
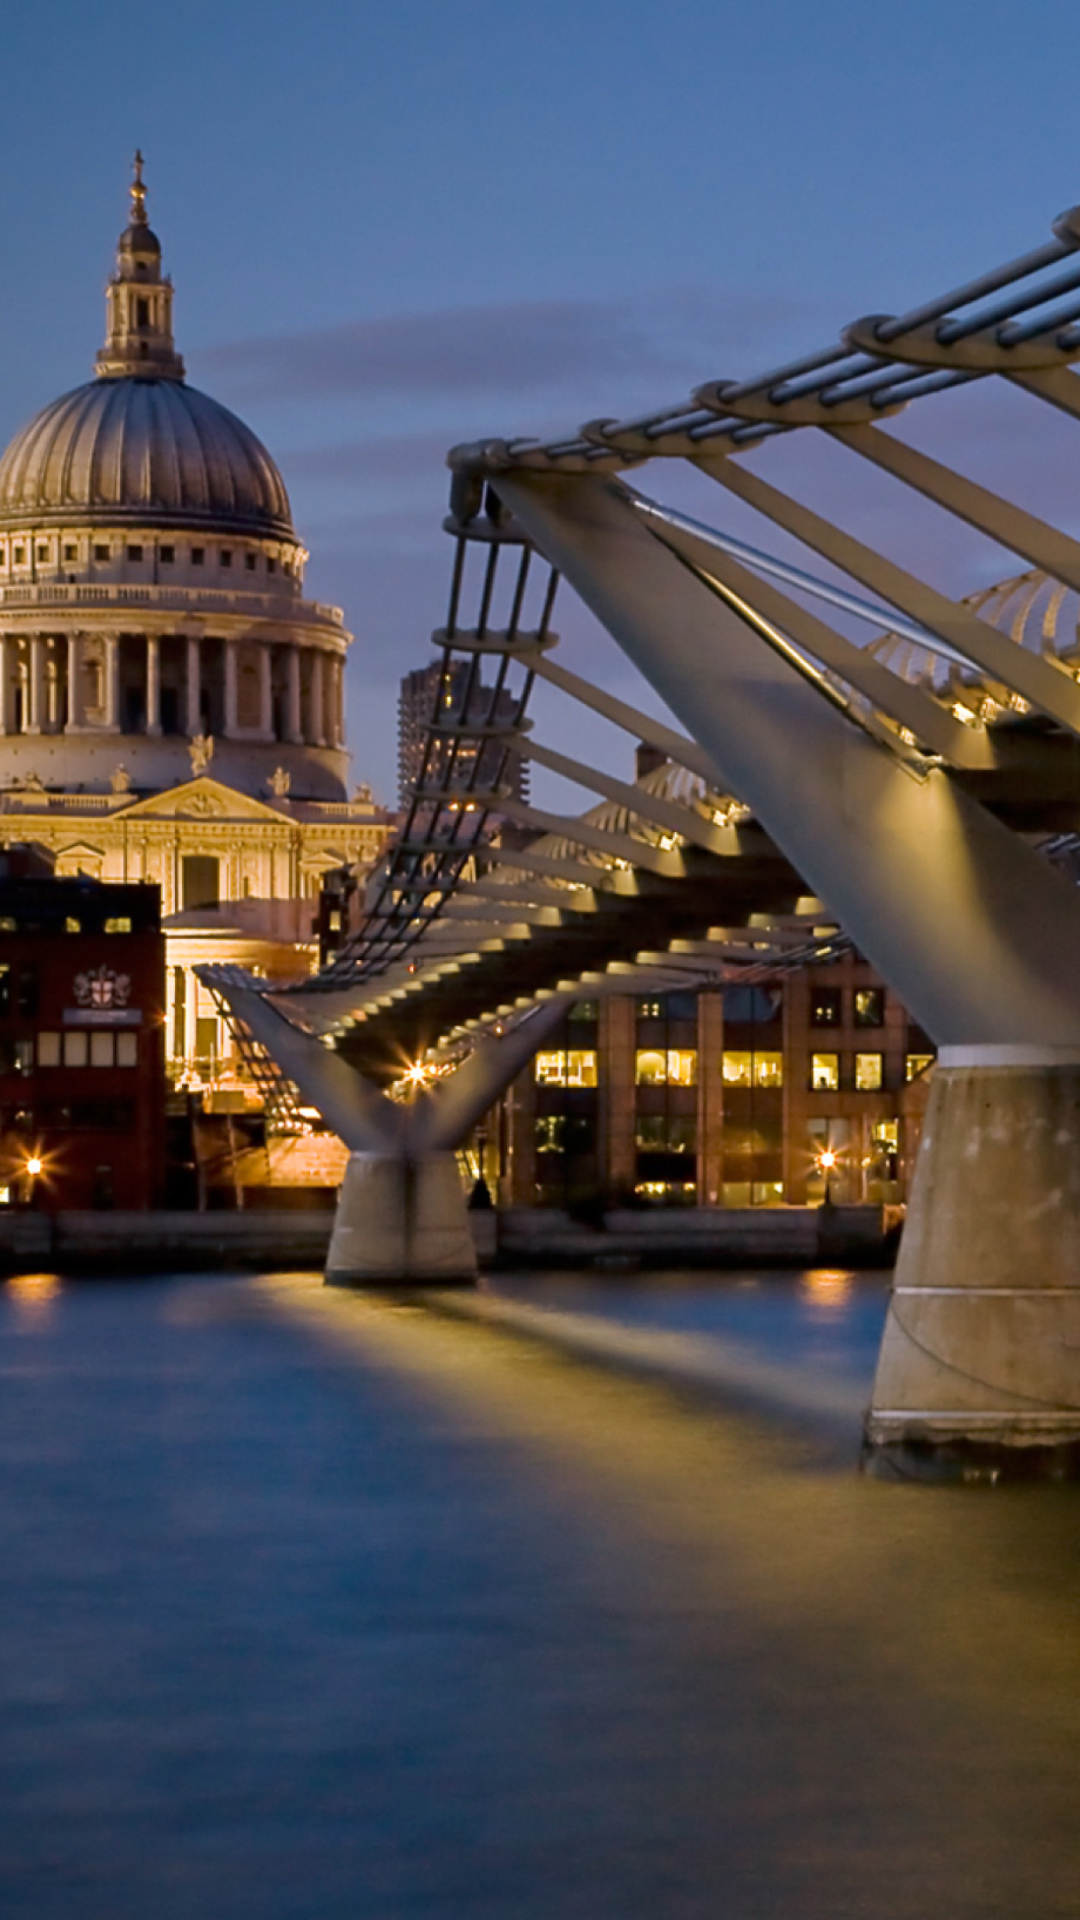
column 395, row 227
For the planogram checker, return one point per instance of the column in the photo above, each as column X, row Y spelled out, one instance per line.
column 337, row 730
column 294, row 731
column 36, row 715
column 153, row 683
column 318, row 722
column 112, row 683
column 266, row 697
column 193, row 716
column 22, row 675
column 5, row 693
column 710, row 1131
column 230, row 689
column 52, row 689
column 73, row 722
column 617, row 1099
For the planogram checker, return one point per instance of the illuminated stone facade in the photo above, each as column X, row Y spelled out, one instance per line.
column 171, row 706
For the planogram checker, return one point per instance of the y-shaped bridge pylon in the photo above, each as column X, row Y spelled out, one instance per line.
column 869, row 782
column 401, row 1214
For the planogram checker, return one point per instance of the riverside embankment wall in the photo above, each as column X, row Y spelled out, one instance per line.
column 261, row 1239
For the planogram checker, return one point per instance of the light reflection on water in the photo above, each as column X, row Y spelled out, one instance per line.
column 320, row 1604
column 825, row 1320
column 827, row 1289
column 33, row 1295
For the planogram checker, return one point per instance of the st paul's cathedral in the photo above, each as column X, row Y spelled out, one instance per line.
column 171, row 705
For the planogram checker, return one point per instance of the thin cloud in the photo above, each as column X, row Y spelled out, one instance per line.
column 378, row 458
column 537, row 347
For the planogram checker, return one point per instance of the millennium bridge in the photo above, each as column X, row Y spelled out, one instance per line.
column 914, row 790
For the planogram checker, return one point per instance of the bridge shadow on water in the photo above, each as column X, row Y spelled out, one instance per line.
column 318, row 1605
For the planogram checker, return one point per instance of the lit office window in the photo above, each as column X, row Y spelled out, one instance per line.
column 48, row 1049
column 671, row 1066
column 568, row 1067
column 665, row 1132
column 826, row 1007
column 825, row 1072
column 916, row 1063
column 549, row 1132
column 667, row 1192
column 869, row 1007
column 869, row 1072
column 650, row 1067
column 753, row 1069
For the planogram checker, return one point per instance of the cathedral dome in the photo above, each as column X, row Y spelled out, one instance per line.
column 147, row 450
column 152, row 609
column 136, row 444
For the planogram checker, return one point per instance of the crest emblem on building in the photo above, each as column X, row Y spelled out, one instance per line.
column 101, row 987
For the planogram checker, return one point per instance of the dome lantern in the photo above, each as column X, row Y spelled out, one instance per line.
column 139, row 336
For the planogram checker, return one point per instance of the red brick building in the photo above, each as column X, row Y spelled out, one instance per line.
column 82, row 1029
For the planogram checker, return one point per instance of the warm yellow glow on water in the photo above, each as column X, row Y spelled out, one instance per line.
column 33, row 1292
column 828, row 1288
column 885, row 1639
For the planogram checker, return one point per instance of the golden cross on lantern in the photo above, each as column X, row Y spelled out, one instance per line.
column 138, row 193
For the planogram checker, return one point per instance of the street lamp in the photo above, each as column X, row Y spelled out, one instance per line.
column 33, row 1167
column 828, row 1159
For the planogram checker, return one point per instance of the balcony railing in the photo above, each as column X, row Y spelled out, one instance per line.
column 267, row 606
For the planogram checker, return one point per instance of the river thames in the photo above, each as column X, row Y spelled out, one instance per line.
column 317, row 1605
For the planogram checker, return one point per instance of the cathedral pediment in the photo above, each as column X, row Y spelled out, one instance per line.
column 200, row 799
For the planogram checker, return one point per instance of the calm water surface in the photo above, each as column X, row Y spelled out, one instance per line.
column 314, row 1605
column 826, row 1321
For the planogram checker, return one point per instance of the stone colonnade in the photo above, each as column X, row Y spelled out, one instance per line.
column 252, row 690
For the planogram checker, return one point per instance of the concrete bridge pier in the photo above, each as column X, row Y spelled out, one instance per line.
column 979, row 1371
column 402, row 1218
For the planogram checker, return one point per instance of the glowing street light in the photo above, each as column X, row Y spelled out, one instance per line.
column 828, row 1160
column 33, row 1165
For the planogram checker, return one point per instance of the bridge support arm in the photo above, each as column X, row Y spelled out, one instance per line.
column 978, row 936
column 359, row 1114
column 973, row 929
column 447, row 1115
